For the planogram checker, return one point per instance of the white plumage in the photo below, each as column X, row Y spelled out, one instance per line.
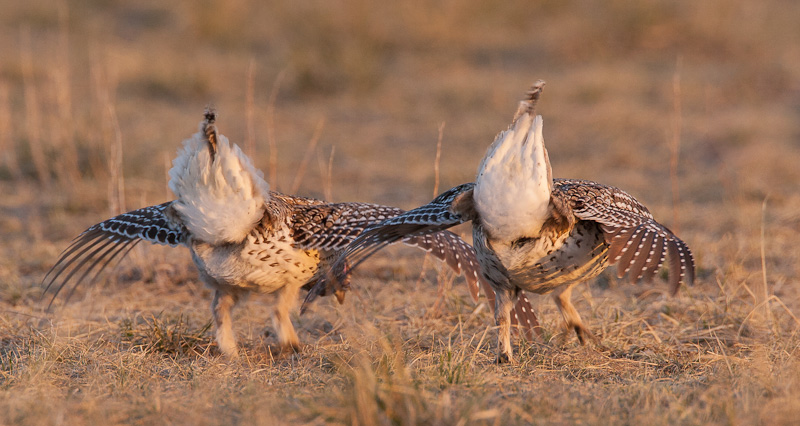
column 220, row 194
column 242, row 236
column 540, row 234
column 512, row 191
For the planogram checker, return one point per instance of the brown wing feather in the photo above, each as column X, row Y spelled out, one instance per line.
column 637, row 267
column 628, row 252
column 96, row 247
column 617, row 238
column 637, row 243
column 524, row 316
column 415, row 227
column 428, row 219
column 334, row 226
column 455, row 252
column 659, row 254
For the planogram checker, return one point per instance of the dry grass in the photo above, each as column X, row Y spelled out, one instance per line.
column 94, row 95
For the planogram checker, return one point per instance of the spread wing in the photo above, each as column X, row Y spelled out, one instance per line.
column 638, row 244
column 96, row 247
column 428, row 219
column 425, row 227
column 332, row 227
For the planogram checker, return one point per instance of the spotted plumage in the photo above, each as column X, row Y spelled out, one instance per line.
column 446, row 246
column 242, row 236
column 532, row 232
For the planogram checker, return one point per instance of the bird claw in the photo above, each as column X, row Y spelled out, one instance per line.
column 341, row 282
column 584, row 336
column 292, row 348
column 340, row 296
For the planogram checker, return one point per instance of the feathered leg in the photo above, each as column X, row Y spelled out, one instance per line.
column 504, row 302
column 221, row 306
column 287, row 298
column 572, row 319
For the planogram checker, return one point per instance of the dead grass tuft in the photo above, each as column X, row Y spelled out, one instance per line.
column 173, row 337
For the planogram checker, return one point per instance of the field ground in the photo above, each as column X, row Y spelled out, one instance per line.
column 96, row 96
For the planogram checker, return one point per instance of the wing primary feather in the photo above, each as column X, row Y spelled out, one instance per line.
column 628, row 251
column 123, row 248
column 526, row 318
column 610, row 232
column 688, row 263
column 375, row 239
column 91, row 237
column 362, row 254
column 455, row 252
column 82, row 257
column 655, row 260
column 474, row 287
column 113, row 250
column 617, row 244
column 98, row 246
column 674, row 267
column 643, row 253
column 431, row 218
column 622, row 219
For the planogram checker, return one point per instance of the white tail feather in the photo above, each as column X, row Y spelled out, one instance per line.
column 512, row 191
column 220, row 199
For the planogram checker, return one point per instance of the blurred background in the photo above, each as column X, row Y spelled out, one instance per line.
column 691, row 106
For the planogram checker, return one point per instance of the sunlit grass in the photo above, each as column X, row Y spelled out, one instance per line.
column 355, row 94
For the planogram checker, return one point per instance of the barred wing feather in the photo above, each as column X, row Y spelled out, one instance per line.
column 334, row 226
column 428, row 219
column 96, row 247
column 638, row 244
column 425, row 227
